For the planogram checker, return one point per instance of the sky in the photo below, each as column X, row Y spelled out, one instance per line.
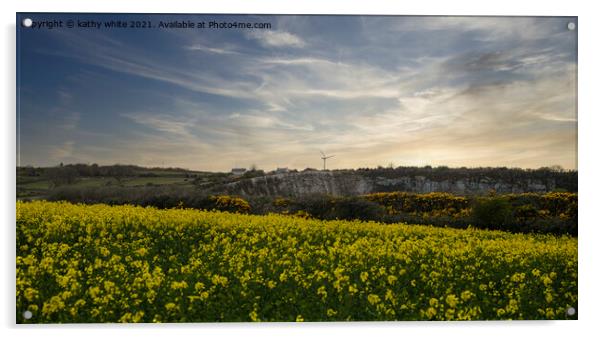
column 370, row 90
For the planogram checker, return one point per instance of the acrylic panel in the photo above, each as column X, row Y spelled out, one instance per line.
column 295, row 168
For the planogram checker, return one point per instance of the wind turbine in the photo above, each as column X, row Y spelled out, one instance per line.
column 324, row 157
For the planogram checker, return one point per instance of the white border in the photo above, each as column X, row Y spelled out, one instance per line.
column 589, row 164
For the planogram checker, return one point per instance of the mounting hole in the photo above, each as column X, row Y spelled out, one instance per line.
column 27, row 314
column 27, row 22
column 571, row 26
column 570, row 311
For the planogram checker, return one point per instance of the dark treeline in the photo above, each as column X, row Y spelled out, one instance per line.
column 95, row 170
column 565, row 179
column 435, row 173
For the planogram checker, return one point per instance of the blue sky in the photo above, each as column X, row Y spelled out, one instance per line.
column 456, row 91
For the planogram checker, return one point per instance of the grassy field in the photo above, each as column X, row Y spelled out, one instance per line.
column 102, row 263
column 40, row 182
column 41, row 187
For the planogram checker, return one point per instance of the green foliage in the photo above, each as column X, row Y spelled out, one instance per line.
column 414, row 202
column 491, row 212
column 521, row 213
column 62, row 175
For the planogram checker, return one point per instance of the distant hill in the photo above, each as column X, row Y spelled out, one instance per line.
column 463, row 181
column 33, row 181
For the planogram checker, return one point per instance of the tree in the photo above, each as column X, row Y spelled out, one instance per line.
column 119, row 172
column 62, row 175
column 491, row 212
column 556, row 168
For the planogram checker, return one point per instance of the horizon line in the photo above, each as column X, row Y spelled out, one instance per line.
column 250, row 168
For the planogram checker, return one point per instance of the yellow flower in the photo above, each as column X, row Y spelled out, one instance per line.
column 512, row 306
column 517, row 277
column 391, row 279
column 254, row 316
column 546, row 280
column 466, row 295
column 219, row 280
column 31, row 294
column 451, row 300
column 142, row 251
column 179, row 285
column 373, row 299
column 431, row 312
column 199, row 286
column 322, row 292
column 171, row 306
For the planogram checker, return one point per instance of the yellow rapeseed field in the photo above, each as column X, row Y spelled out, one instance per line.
column 100, row 263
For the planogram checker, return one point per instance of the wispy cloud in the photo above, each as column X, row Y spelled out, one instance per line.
column 63, row 151
column 262, row 120
column 162, row 123
column 94, row 50
column 223, row 51
column 275, row 38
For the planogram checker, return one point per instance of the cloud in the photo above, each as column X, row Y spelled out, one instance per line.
column 161, row 122
column 63, row 151
column 487, row 28
column 306, row 77
column 274, row 38
column 221, row 51
column 94, row 50
column 259, row 120
column 64, row 97
column 70, row 119
column 412, row 90
column 522, row 123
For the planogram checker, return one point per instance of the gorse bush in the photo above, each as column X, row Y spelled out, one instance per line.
column 412, row 202
column 156, row 196
column 523, row 213
column 357, row 208
column 333, row 208
column 100, row 263
column 230, row 204
column 492, row 212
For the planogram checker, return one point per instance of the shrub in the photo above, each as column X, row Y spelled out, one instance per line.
column 491, row 212
column 414, row 202
column 316, row 205
column 230, row 204
column 523, row 213
column 356, row 208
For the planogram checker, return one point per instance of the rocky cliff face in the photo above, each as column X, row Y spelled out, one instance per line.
column 350, row 183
